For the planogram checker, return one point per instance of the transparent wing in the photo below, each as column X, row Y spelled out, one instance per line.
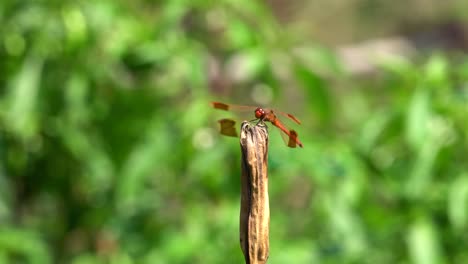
column 290, row 116
column 227, row 127
column 232, row 107
column 290, row 140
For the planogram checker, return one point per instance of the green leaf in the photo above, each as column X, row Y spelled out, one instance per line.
column 458, row 202
column 23, row 97
column 318, row 97
column 421, row 172
column 436, row 71
column 417, row 120
column 423, row 243
column 372, row 130
column 24, row 243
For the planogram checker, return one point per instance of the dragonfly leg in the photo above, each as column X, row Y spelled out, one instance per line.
column 260, row 121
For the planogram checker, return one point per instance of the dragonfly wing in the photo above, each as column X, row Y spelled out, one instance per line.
column 227, row 127
column 232, row 107
column 291, row 117
column 218, row 105
column 293, row 141
column 290, row 140
column 289, row 135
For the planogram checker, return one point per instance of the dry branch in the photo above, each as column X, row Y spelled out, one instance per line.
column 255, row 209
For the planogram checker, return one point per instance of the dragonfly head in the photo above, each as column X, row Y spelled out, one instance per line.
column 259, row 112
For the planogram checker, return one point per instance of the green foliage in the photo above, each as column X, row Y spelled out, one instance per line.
column 108, row 152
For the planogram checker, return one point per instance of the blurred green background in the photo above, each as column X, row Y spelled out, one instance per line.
column 109, row 151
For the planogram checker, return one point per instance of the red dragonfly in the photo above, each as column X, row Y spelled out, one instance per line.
column 262, row 114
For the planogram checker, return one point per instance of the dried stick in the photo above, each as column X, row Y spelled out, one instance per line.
column 255, row 209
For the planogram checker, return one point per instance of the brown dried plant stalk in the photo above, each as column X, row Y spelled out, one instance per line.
column 255, row 209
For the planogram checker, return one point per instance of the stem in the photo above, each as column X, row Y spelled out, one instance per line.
column 255, row 209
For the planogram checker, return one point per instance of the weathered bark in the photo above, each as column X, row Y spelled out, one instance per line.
column 255, row 209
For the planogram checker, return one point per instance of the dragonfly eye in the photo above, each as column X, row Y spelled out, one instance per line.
column 259, row 112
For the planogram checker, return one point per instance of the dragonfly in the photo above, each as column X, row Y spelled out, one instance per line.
column 228, row 126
